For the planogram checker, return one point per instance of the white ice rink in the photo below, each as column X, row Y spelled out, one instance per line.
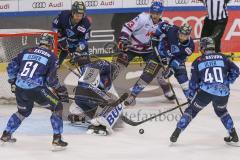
column 202, row 140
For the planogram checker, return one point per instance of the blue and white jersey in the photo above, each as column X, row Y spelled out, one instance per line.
column 34, row 67
column 212, row 73
column 97, row 74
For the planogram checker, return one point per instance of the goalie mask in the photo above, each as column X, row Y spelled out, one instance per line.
column 46, row 39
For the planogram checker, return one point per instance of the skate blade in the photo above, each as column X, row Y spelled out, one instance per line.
column 56, row 148
column 11, row 141
column 234, row 144
column 100, row 133
column 2, row 143
column 172, row 144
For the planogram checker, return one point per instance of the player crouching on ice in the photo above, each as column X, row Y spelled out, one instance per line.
column 212, row 73
column 92, row 95
column 30, row 75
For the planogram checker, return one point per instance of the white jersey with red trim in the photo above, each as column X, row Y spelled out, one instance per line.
column 139, row 31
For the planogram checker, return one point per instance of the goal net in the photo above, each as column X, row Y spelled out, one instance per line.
column 13, row 41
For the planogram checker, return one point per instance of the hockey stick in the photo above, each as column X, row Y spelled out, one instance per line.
column 74, row 72
column 97, row 100
column 196, row 39
column 170, row 85
column 106, row 107
column 132, row 123
column 232, row 56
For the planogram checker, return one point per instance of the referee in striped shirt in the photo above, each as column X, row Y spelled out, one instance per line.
column 216, row 20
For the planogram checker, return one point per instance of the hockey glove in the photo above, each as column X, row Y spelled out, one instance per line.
column 62, row 94
column 63, row 44
column 81, row 46
column 164, row 61
column 154, row 41
column 123, row 45
column 13, row 85
column 168, row 72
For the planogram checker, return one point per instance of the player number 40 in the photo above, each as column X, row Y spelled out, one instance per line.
column 29, row 68
column 216, row 75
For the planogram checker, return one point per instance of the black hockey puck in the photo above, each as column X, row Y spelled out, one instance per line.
column 141, row 131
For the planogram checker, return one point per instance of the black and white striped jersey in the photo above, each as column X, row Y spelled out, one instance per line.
column 217, row 9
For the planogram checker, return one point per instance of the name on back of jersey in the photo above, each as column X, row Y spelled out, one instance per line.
column 42, row 52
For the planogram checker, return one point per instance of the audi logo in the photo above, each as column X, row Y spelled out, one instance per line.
column 142, row 2
column 196, row 21
column 91, row 3
column 181, row 1
column 39, row 5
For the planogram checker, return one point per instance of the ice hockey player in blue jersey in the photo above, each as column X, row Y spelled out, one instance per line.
column 90, row 94
column 174, row 48
column 212, row 73
column 73, row 28
column 30, row 74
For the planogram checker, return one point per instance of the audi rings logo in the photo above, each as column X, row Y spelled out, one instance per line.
column 39, row 5
column 197, row 23
column 142, row 2
column 91, row 3
column 181, row 1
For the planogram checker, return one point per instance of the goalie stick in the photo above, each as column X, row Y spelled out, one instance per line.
column 132, row 123
column 97, row 100
column 107, row 106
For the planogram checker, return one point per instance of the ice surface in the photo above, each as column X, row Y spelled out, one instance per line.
column 203, row 139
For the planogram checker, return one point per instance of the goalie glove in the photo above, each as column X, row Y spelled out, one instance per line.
column 80, row 59
column 62, row 94
column 13, row 85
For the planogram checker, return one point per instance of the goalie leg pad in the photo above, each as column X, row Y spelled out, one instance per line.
column 108, row 119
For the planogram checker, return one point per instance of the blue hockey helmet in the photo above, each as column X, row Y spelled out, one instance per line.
column 185, row 29
column 156, row 7
column 206, row 44
column 78, row 7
